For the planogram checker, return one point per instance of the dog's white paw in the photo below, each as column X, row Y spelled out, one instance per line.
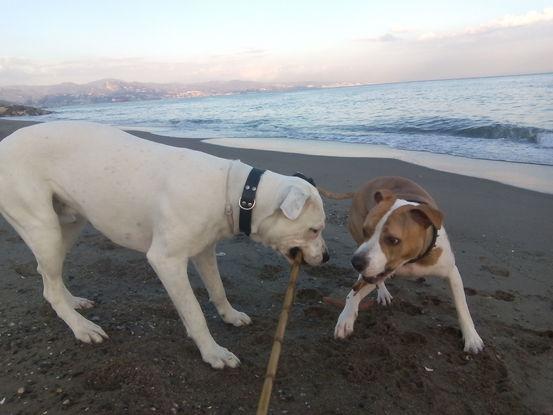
column 88, row 332
column 384, row 297
column 81, row 303
column 219, row 357
column 344, row 326
column 473, row 342
column 235, row 317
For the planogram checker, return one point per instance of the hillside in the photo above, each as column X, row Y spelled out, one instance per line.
column 115, row 90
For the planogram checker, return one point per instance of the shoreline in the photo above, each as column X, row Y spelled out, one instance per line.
column 535, row 177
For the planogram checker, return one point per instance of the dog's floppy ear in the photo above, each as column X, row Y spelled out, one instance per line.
column 383, row 194
column 426, row 216
column 294, row 201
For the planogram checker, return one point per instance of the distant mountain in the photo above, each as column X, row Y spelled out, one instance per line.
column 115, row 90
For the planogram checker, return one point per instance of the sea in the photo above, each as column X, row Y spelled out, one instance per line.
column 506, row 118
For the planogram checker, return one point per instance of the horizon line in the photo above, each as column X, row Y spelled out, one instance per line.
column 350, row 84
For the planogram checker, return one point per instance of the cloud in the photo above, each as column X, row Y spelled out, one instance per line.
column 505, row 22
column 509, row 21
column 411, row 33
column 387, row 37
column 246, row 65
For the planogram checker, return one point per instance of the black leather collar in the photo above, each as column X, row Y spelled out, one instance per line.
column 247, row 200
column 304, row 177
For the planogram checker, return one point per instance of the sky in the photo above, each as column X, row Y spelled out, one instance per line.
column 349, row 41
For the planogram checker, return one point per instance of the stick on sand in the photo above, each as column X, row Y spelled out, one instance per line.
column 263, row 406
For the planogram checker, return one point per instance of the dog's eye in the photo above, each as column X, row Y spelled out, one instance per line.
column 315, row 231
column 391, row 240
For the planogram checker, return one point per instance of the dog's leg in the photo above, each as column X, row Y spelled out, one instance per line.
column 384, row 297
column 70, row 233
column 206, row 264
column 344, row 326
column 473, row 342
column 172, row 272
column 40, row 229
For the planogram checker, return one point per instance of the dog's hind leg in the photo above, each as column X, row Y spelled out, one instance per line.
column 206, row 264
column 37, row 223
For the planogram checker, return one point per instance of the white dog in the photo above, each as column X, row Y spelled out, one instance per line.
column 173, row 204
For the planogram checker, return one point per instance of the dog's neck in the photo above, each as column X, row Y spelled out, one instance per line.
column 266, row 199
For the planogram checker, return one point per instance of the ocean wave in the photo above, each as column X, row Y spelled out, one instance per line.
column 194, row 121
column 453, row 127
column 545, row 139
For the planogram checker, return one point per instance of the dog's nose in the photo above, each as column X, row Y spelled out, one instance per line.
column 359, row 262
column 326, row 256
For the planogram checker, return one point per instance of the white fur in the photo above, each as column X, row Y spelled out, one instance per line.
column 383, row 295
column 445, row 267
column 293, row 203
column 164, row 201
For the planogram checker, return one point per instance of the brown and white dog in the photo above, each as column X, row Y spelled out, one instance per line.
column 399, row 230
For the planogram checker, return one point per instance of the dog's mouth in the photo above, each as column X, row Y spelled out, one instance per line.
column 293, row 253
column 372, row 280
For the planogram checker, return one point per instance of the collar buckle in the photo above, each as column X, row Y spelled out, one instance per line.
column 245, row 205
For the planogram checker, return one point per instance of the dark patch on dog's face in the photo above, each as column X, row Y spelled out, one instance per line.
column 406, row 232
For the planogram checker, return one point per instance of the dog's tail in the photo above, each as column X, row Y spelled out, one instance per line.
column 336, row 196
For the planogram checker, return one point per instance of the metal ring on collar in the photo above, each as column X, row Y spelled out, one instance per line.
column 246, row 208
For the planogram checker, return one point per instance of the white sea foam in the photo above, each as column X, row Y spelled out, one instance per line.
column 545, row 139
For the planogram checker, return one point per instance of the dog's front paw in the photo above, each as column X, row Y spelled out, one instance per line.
column 384, row 297
column 219, row 357
column 344, row 326
column 473, row 342
column 88, row 332
column 235, row 317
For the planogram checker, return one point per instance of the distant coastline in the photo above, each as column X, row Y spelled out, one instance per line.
column 116, row 90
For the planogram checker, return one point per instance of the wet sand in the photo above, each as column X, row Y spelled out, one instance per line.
column 406, row 358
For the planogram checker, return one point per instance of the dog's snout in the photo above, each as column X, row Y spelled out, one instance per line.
column 326, row 256
column 359, row 262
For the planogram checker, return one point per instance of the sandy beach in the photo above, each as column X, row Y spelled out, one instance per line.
column 406, row 358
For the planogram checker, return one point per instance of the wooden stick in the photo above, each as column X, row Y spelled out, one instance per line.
column 263, row 405
column 358, row 285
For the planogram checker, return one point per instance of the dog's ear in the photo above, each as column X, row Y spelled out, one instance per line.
column 383, row 194
column 426, row 216
column 294, row 201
